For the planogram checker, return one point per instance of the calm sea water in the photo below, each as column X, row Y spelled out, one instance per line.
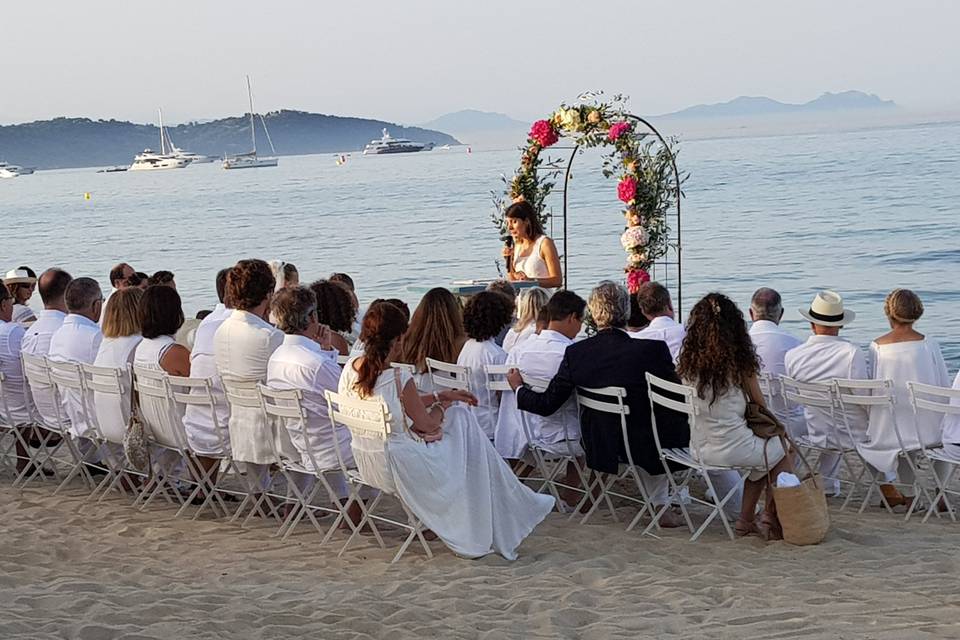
column 861, row 212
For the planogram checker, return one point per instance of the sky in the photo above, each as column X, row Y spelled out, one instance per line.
column 410, row 61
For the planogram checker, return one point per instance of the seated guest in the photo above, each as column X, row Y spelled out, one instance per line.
column 719, row 360
column 507, row 289
column 356, row 348
column 903, row 355
column 53, row 285
column 286, row 274
column 121, row 276
column 121, row 335
column 529, row 303
column 205, row 439
column 950, row 428
column 347, row 281
column 162, row 279
column 655, row 303
column 540, row 357
column 242, row 348
column 78, row 340
column 612, row 358
column 772, row 344
column 21, row 283
column 483, row 317
column 161, row 316
column 822, row 358
column 306, row 361
column 335, row 308
column 456, row 485
column 637, row 320
column 15, row 411
column 436, row 331
column 139, row 279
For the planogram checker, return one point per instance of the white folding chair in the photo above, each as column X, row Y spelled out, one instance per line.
column 342, row 360
column 613, row 400
column 10, row 433
column 367, row 419
column 115, row 383
column 821, row 397
column 403, row 366
column 49, row 429
column 211, row 483
column 768, row 387
column 682, row 456
column 68, row 377
column 449, row 376
column 286, row 406
column 244, row 393
column 877, row 395
column 945, row 401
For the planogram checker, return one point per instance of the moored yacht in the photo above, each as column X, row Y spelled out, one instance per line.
column 250, row 159
column 8, row 170
column 150, row 160
column 389, row 144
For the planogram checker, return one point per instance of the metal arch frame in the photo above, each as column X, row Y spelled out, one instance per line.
column 676, row 176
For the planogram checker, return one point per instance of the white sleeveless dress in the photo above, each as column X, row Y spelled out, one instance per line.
column 459, row 487
column 532, row 265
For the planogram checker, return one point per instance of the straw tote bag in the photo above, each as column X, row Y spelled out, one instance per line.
column 802, row 510
column 135, row 446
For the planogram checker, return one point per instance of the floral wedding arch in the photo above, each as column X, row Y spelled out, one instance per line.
column 649, row 184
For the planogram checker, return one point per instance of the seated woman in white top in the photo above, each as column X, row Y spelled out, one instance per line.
column 719, row 360
column 436, row 331
column 121, row 335
column 436, row 459
column 22, row 282
column 485, row 314
column 902, row 355
column 533, row 255
column 529, row 303
column 335, row 308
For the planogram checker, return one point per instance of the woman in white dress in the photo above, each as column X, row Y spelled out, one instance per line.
column 436, row 457
column 436, row 331
column 484, row 316
column 529, row 303
column 719, row 360
column 533, row 255
column 903, row 355
column 121, row 335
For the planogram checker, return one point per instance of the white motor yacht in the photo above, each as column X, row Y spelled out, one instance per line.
column 151, row 161
column 389, row 144
column 250, row 159
column 8, row 170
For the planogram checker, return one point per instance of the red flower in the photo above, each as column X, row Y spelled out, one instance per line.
column 635, row 278
column 616, row 130
column 543, row 133
column 627, row 189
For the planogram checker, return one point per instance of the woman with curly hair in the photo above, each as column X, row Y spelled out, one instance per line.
column 336, row 310
column 435, row 331
column 484, row 317
column 718, row 359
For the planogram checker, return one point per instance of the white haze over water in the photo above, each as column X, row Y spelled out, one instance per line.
column 859, row 211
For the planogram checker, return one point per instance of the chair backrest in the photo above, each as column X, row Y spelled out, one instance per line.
column 821, row 395
column 157, row 408
column 6, row 418
column 242, row 392
column 927, row 397
column 869, row 394
column 539, row 385
column 199, row 392
column 36, row 371
column 286, row 406
column 612, row 400
column 342, row 360
column 403, row 366
column 363, row 418
column 657, row 388
column 496, row 379
column 66, row 375
column 769, row 387
column 449, row 376
column 108, row 381
column 69, row 376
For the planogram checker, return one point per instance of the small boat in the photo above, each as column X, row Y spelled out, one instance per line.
column 152, row 161
column 117, row 169
column 389, row 144
column 8, row 170
column 250, row 159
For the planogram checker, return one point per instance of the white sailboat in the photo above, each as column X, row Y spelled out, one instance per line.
column 250, row 159
column 151, row 161
column 189, row 156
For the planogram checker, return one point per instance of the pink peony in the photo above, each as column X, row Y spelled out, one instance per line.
column 543, row 133
column 635, row 278
column 627, row 189
column 616, row 130
column 634, row 237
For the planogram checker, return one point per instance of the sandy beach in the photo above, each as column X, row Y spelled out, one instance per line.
column 103, row 570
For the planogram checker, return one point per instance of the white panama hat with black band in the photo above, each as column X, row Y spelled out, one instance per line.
column 827, row 310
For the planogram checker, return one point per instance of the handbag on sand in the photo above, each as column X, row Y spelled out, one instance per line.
column 801, row 509
column 135, row 446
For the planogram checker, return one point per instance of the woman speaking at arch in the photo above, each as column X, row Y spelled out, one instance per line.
column 533, row 256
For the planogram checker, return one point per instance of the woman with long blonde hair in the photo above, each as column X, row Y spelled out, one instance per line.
column 529, row 303
column 121, row 335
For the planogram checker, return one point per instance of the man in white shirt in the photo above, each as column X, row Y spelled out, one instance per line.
column 197, row 420
column 655, row 303
column 772, row 344
column 52, row 285
column 822, row 358
column 306, row 361
column 78, row 340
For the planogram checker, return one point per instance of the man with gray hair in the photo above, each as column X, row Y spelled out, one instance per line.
column 772, row 344
column 306, row 361
column 613, row 358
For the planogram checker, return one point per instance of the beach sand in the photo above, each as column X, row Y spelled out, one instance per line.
column 103, row 570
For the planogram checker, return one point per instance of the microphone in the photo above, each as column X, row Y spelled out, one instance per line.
column 508, row 242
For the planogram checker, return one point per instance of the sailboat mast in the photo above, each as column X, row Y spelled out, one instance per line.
column 163, row 144
column 253, row 126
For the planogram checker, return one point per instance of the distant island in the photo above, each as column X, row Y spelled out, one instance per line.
column 471, row 120
column 745, row 106
column 82, row 142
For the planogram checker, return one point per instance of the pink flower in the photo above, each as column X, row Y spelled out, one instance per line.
column 634, row 237
column 616, row 130
column 543, row 133
column 627, row 189
column 635, row 278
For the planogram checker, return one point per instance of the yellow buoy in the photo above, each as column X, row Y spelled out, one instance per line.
column 86, row 195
